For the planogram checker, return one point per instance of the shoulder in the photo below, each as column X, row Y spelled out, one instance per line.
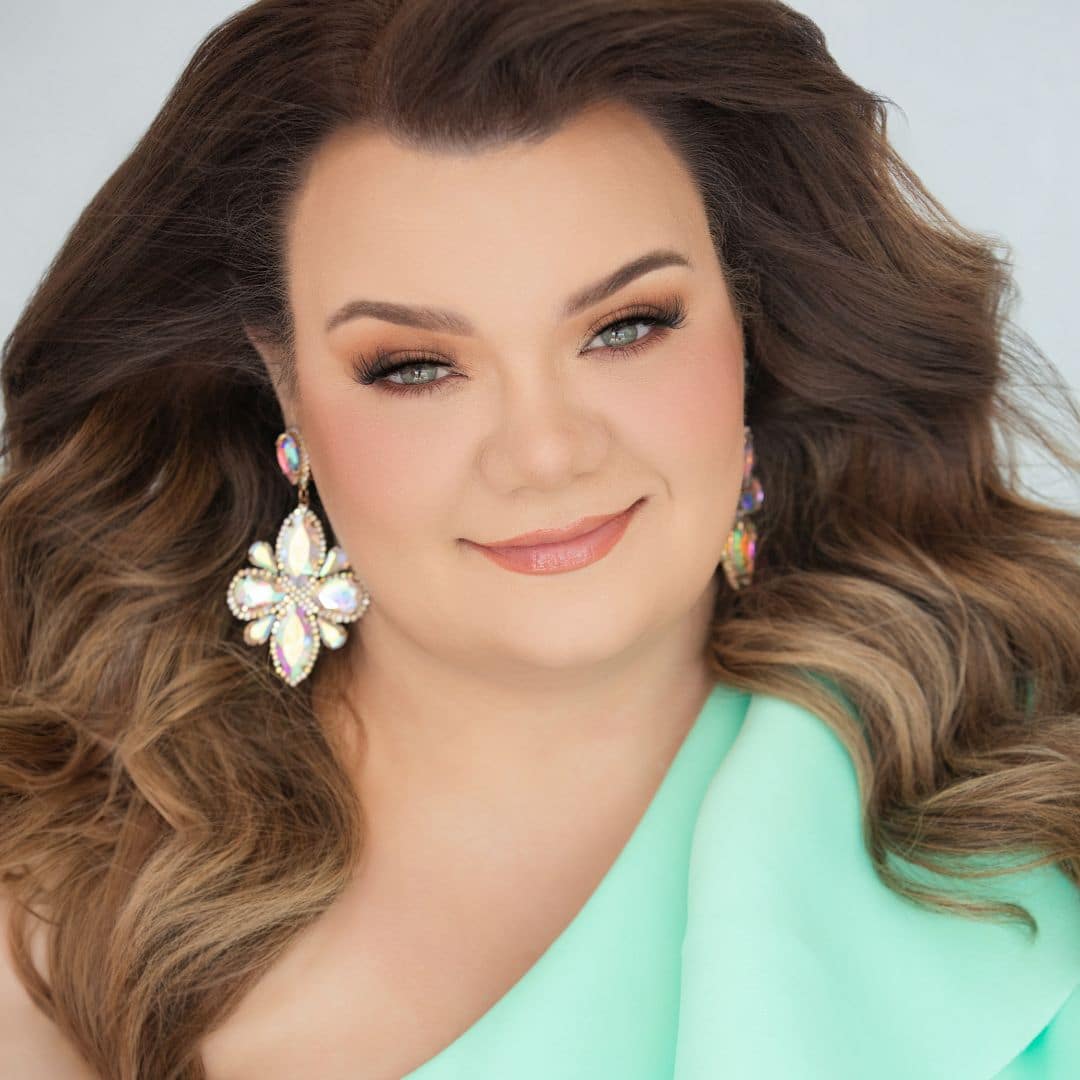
column 31, row 1047
column 799, row 961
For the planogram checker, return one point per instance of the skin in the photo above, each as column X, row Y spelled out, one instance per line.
column 531, row 717
column 540, row 425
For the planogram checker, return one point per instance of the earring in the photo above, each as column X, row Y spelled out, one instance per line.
column 741, row 544
column 298, row 594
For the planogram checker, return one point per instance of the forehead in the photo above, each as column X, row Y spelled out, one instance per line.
column 400, row 220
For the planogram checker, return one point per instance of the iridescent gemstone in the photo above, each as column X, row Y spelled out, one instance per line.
column 288, row 456
column 751, row 498
column 332, row 634
column 253, row 594
column 739, row 549
column 748, row 466
column 747, row 546
column 294, row 643
column 262, row 554
column 256, row 633
column 338, row 595
column 336, row 559
column 301, row 544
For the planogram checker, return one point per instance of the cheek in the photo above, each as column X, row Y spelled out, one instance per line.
column 695, row 434
column 695, row 418
column 378, row 480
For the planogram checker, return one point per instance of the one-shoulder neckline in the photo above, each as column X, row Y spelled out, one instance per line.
column 663, row 793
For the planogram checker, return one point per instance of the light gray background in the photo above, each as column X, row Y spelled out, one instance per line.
column 987, row 89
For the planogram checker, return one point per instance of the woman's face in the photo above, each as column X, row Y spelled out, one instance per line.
column 521, row 414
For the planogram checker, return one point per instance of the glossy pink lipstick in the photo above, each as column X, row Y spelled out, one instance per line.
column 554, row 551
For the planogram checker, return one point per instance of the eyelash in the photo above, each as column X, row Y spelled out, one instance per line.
column 668, row 315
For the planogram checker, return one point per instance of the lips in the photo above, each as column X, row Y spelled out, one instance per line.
column 554, row 536
column 566, row 554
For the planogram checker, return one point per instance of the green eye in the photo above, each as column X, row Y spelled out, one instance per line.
column 664, row 317
column 622, row 329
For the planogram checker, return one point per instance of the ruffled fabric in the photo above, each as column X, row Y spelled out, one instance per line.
column 798, row 963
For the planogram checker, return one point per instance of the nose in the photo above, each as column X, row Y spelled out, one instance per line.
column 544, row 435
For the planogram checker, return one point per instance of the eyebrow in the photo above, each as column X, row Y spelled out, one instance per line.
column 452, row 322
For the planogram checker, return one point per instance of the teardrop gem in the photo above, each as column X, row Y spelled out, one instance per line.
column 288, row 457
column 253, row 593
column 294, row 644
column 336, row 559
column 256, row 633
column 332, row 634
column 261, row 554
column 301, row 544
column 748, row 457
column 752, row 497
column 339, row 597
column 739, row 550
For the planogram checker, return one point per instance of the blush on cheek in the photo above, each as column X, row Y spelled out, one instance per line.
column 698, row 410
column 381, row 484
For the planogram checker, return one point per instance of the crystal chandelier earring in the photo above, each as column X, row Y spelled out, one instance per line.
column 741, row 545
column 296, row 594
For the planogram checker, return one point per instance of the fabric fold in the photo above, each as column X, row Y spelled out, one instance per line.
column 798, row 963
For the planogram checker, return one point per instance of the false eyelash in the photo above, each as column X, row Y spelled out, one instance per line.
column 669, row 314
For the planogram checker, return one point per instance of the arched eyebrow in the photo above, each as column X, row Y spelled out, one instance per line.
column 453, row 322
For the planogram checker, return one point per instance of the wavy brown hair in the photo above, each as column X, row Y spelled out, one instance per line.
column 172, row 813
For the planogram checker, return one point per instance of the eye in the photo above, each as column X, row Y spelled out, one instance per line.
column 622, row 328
column 661, row 318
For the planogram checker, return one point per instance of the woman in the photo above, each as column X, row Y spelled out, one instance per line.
column 771, row 768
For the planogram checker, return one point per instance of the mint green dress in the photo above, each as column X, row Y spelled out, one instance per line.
column 742, row 934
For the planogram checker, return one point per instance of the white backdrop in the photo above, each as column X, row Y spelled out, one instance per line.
column 987, row 88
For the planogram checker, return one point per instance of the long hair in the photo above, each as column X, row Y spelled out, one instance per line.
column 173, row 814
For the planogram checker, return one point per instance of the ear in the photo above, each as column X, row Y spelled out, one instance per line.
column 272, row 355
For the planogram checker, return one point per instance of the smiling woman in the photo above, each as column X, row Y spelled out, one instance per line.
column 646, row 647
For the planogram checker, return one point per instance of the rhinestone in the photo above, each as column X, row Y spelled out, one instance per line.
column 336, row 560
column 253, row 594
column 261, row 554
column 332, row 634
column 288, row 456
column 338, row 596
column 256, row 633
column 294, row 643
column 301, row 545
column 751, row 498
